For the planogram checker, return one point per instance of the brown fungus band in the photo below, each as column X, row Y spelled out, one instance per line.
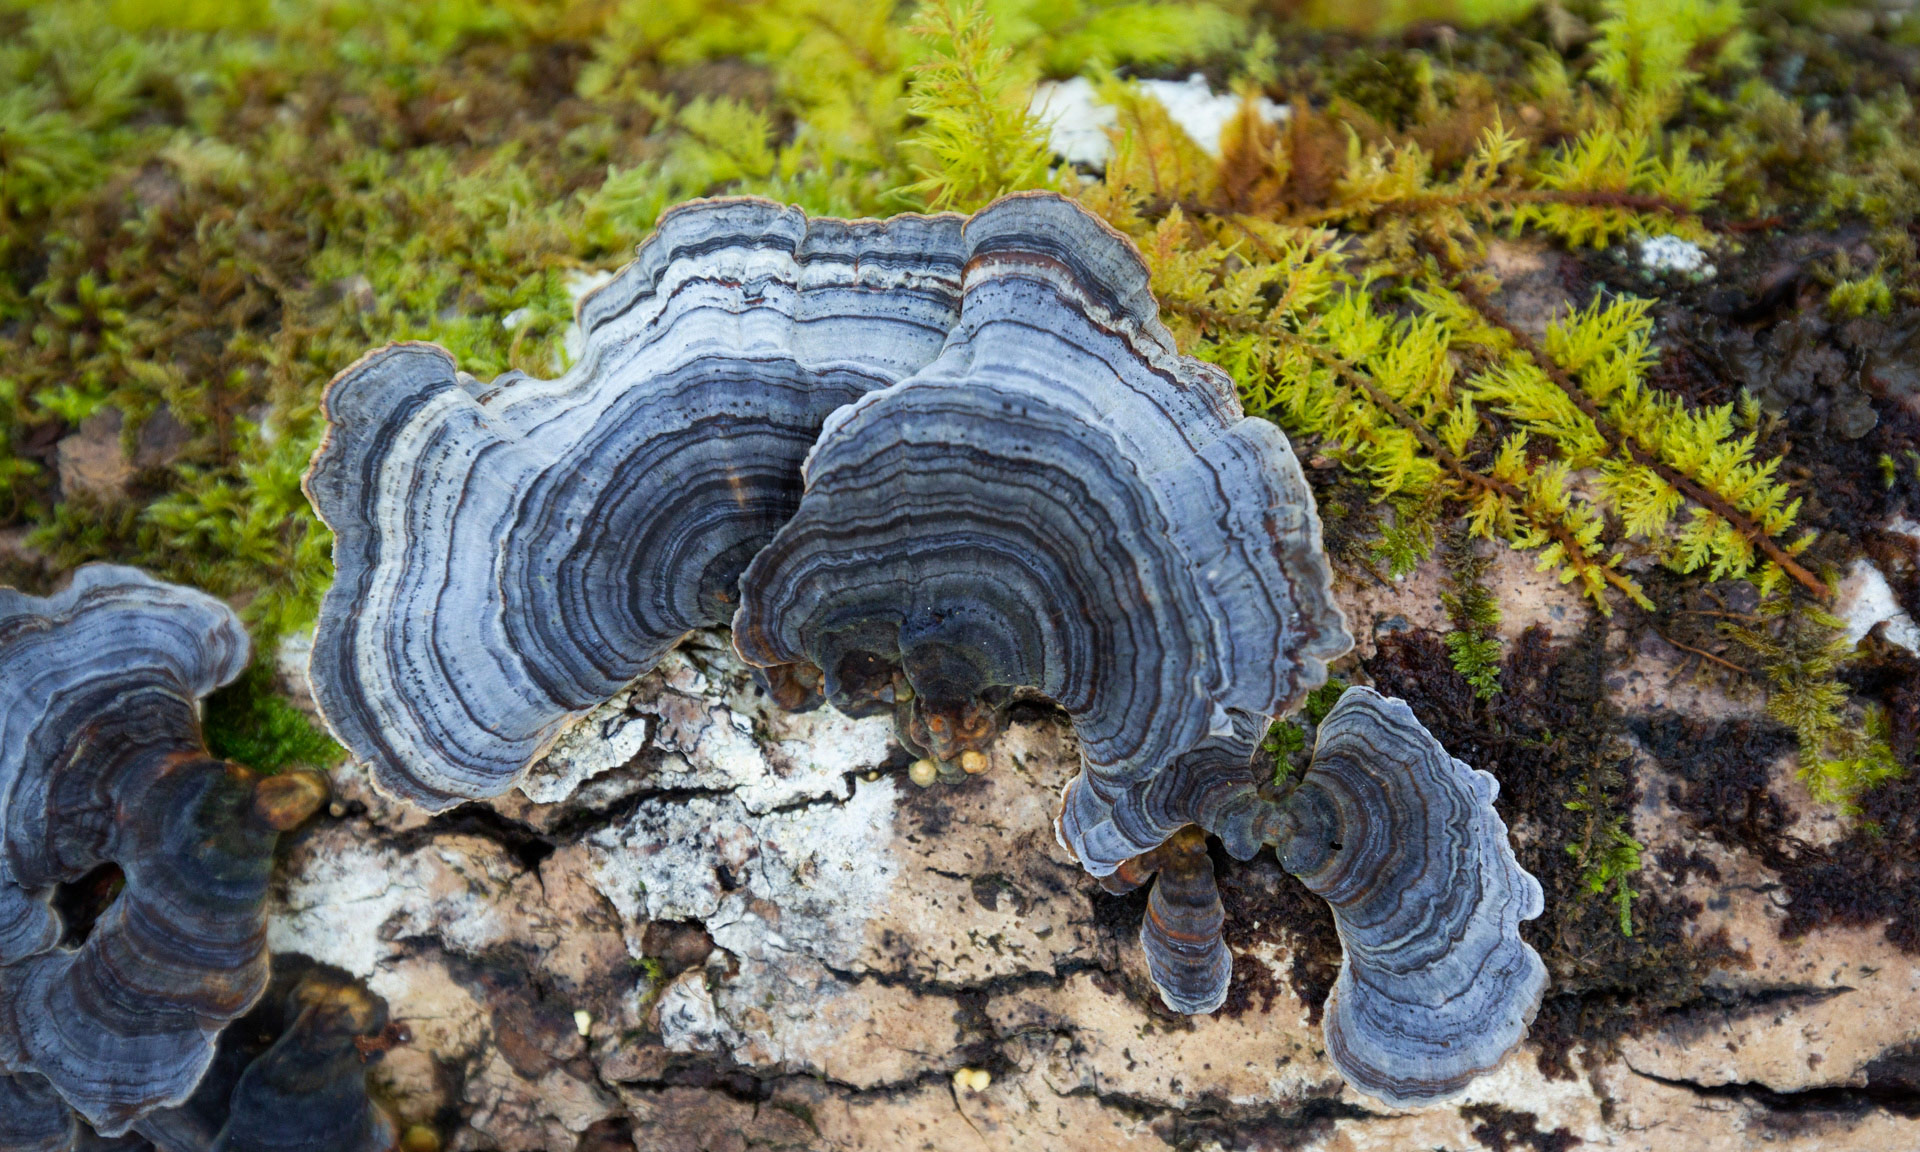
column 102, row 764
column 509, row 555
column 1059, row 502
column 1403, row 843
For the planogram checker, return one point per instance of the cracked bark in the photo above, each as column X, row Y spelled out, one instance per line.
column 778, row 942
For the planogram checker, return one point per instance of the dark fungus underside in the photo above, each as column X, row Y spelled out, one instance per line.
column 290, row 1075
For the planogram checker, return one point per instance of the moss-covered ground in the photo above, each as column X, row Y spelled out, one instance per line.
column 208, row 208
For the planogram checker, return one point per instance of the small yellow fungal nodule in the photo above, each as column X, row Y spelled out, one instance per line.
column 420, row 1138
column 923, row 772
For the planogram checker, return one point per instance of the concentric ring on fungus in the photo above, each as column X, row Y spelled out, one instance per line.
column 102, row 762
column 33, row 1118
column 509, row 555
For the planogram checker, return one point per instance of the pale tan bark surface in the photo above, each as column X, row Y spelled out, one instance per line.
column 722, row 927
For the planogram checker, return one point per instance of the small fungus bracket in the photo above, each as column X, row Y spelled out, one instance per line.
column 310, row 1088
column 1402, row 841
column 1181, row 932
column 102, row 762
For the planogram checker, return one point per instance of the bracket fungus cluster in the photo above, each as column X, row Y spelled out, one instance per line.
column 924, row 467
column 102, row 767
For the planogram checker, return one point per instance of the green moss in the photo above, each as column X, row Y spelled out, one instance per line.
column 1321, row 700
column 654, row 972
column 1474, row 643
column 977, row 139
column 1845, row 747
column 1284, row 740
column 249, row 723
column 1869, row 293
column 1608, row 859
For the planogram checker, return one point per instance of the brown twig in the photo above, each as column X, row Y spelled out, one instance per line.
column 1414, row 205
column 1461, row 282
column 1763, row 224
column 1359, row 379
column 1725, row 663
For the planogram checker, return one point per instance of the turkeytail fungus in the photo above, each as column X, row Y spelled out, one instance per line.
column 1211, row 784
column 1059, row 502
column 308, row 1093
column 1187, row 956
column 290, row 1075
column 509, row 555
column 102, row 764
column 1403, row 843
column 33, row 1118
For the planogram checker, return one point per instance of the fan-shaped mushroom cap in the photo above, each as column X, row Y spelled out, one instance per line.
column 101, row 761
column 509, row 555
column 1060, row 501
column 1436, row 985
column 33, row 1118
column 1180, row 933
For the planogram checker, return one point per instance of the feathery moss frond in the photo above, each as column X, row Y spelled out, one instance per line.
column 977, row 140
column 1844, row 749
column 1474, row 643
column 1647, row 48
